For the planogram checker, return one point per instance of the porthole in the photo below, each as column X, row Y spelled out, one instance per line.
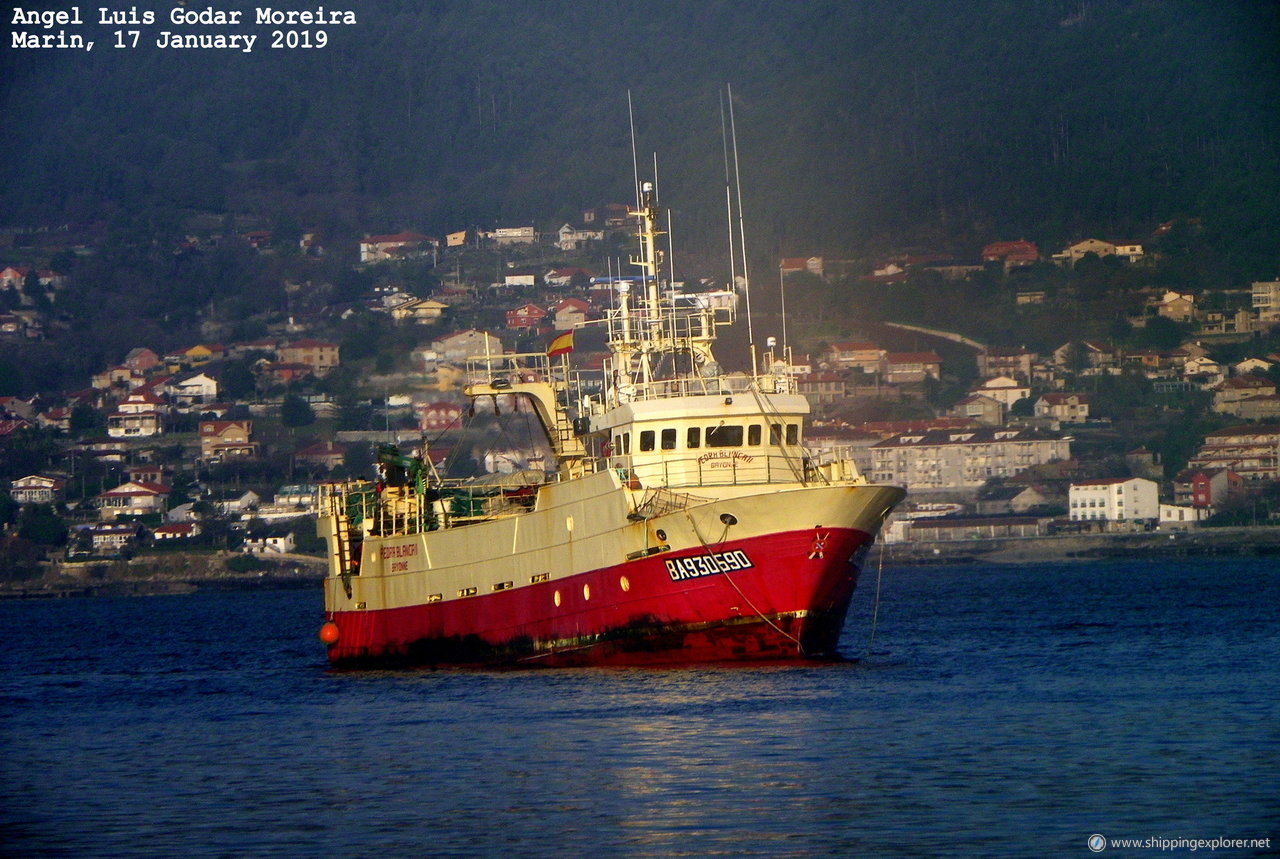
column 556, row 598
column 624, row 583
column 586, row 592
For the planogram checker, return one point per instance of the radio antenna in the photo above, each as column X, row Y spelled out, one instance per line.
column 742, row 233
column 728, row 197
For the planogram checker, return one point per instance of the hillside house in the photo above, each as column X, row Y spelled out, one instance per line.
column 1264, row 408
column 526, row 317
column 1065, row 408
column 269, row 545
column 1016, row 363
column 112, row 539
column 1011, row 254
column 320, row 355
column 961, row 459
column 1231, row 394
column 570, row 313
column 1265, row 297
column 982, row 410
column 1251, row 365
column 571, row 238
column 325, row 454
column 58, row 418
column 150, row 472
column 1002, row 500
column 140, row 359
column 562, row 277
column 1072, row 254
column 132, row 499
column 221, row 440
column 1129, row 251
column 1206, row 487
column 397, row 246
column 176, row 532
column 37, row 489
column 1118, row 499
column 193, row 390
column 513, row 236
column 101, row 448
column 1004, row 390
column 266, row 348
column 821, row 388
column 861, row 355
column 423, row 311
column 1203, row 370
column 910, row 367
column 1251, row 451
column 466, row 344
column 1086, row 356
column 119, row 378
column 1178, row 306
column 200, row 354
column 141, row 414
column 17, row 407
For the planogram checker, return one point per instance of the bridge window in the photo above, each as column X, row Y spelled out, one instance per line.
column 668, row 439
column 753, row 434
column 724, row 436
column 694, row 438
column 646, row 440
column 793, row 433
column 775, row 434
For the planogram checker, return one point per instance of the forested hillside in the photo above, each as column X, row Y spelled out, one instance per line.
column 862, row 125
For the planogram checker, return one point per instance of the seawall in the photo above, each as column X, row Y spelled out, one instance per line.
column 1225, row 542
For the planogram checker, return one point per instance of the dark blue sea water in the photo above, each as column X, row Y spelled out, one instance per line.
column 1001, row 711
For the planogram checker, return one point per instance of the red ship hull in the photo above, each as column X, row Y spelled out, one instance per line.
column 779, row 597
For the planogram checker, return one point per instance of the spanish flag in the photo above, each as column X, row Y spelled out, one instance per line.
column 561, row 344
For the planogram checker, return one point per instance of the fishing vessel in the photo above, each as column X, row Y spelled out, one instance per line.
column 679, row 520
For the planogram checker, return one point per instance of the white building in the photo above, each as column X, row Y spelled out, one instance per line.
column 514, row 235
column 1004, row 390
column 1117, row 499
column 1181, row 516
column 961, row 458
column 1266, row 300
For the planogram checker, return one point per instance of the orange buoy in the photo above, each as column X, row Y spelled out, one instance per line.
column 329, row 633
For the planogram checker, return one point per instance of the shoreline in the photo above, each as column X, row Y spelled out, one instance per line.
column 159, row 575
column 1248, row 541
column 181, row 573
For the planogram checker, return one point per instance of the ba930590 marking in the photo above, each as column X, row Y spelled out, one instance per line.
column 707, row 565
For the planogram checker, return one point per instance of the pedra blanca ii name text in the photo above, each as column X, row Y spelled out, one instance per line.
column 200, row 28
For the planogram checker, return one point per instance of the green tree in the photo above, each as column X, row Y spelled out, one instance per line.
column 236, row 381
column 40, row 524
column 358, row 460
column 19, row 559
column 1162, row 333
column 86, row 420
column 296, row 412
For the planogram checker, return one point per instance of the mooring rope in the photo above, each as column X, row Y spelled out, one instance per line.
column 875, row 603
